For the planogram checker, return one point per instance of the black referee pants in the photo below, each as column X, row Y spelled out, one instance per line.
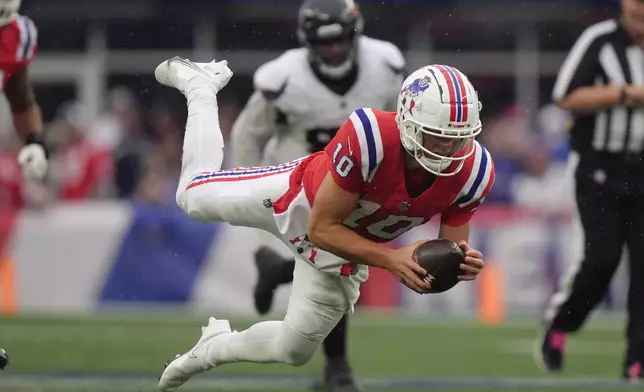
column 610, row 214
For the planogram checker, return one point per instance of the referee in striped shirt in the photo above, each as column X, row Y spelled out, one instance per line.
column 602, row 83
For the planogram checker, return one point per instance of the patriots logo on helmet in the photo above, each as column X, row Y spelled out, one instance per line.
column 417, row 86
column 412, row 91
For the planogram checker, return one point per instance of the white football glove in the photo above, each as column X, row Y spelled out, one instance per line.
column 33, row 160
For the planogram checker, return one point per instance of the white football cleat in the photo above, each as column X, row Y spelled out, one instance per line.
column 177, row 72
column 180, row 369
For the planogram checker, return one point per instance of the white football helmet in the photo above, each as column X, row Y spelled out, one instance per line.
column 439, row 101
column 8, row 8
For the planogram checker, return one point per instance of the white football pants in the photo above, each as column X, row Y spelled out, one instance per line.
column 238, row 197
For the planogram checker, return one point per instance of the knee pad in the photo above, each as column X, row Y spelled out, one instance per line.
column 294, row 348
column 297, row 355
column 180, row 198
column 194, row 203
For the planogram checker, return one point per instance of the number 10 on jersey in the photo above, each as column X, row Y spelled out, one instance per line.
column 390, row 226
column 344, row 165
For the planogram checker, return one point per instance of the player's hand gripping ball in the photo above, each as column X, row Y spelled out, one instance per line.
column 441, row 259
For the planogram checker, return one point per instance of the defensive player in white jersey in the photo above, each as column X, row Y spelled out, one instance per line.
column 381, row 175
column 300, row 100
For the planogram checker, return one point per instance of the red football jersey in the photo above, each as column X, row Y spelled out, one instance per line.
column 366, row 157
column 11, row 189
column 81, row 170
column 18, row 47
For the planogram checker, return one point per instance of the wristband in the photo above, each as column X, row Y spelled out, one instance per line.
column 36, row 138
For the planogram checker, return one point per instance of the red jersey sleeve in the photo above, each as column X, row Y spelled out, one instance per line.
column 356, row 150
column 19, row 40
column 344, row 159
column 478, row 184
column 27, row 45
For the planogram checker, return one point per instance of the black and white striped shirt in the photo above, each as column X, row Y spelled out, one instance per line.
column 604, row 54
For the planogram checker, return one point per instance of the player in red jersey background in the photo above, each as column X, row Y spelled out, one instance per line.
column 18, row 48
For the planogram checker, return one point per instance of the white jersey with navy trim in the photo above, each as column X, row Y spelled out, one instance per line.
column 309, row 111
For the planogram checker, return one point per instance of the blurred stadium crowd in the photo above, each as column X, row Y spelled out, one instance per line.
column 127, row 151
column 132, row 148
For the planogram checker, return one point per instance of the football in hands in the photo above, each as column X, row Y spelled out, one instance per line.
column 441, row 258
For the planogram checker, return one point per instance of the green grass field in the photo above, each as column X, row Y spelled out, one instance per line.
column 123, row 353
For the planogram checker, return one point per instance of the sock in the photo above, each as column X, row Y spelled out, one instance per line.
column 255, row 344
column 335, row 344
column 286, row 271
column 265, row 342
